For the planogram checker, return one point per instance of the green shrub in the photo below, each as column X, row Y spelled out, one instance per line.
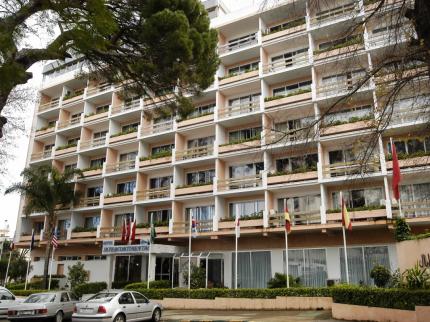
column 128, row 131
column 402, row 230
column 77, row 275
column 280, row 280
column 381, row 275
column 90, row 288
column 36, row 285
column 417, row 277
column 198, row 277
column 27, row 292
column 402, row 299
column 158, row 155
column 79, row 229
column 63, row 147
column 160, row 284
column 122, row 284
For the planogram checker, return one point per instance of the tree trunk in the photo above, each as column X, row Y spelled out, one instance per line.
column 47, row 236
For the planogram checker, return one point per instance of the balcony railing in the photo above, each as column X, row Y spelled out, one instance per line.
column 350, row 168
column 287, row 63
column 240, row 43
column 340, row 87
column 89, row 202
column 71, row 122
column 133, row 105
column 277, row 219
column 281, row 138
column 347, row 10
column 412, row 209
column 239, row 109
column 49, row 105
column 409, row 115
column 121, row 166
column 41, row 155
column 110, row 232
column 240, row 183
column 183, row 227
column 197, row 152
column 93, row 143
column 158, row 128
column 155, row 193
column 98, row 89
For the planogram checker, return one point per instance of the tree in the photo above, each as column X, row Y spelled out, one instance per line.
column 47, row 190
column 77, row 275
column 198, row 277
column 381, row 275
column 147, row 45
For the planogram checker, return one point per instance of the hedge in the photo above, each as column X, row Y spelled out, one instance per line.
column 27, row 292
column 89, row 288
column 159, row 284
column 240, row 293
column 36, row 285
column 402, row 299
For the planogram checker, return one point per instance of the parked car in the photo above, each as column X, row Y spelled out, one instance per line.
column 7, row 299
column 40, row 306
column 117, row 306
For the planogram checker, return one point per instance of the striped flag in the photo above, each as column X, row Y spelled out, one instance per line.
column 396, row 172
column 54, row 239
column 133, row 231
column 346, row 222
column 287, row 220
column 237, row 227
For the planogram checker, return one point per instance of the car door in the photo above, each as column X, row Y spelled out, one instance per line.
column 144, row 308
column 66, row 305
column 6, row 299
column 128, row 306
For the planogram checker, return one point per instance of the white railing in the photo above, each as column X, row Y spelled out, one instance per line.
column 288, row 63
column 197, row 152
column 41, row 155
column 341, row 87
column 410, row 114
column 69, row 123
column 158, row 128
column 133, row 105
column 239, row 109
column 345, row 11
column 240, row 183
column 121, row 166
column 98, row 89
column 384, row 39
column 92, row 143
column 351, row 168
column 89, row 202
column 154, row 193
column 240, row 43
column 49, row 105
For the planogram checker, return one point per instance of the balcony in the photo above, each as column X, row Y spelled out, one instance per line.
column 88, row 202
column 193, row 153
column 50, row 105
column 72, row 98
column 413, row 160
column 157, row 128
column 364, row 214
column 238, row 44
column 199, row 119
column 93, row 143
column 194, row 189
column 95, row 116
column 298, row 135
column 45, row 130
column 183, row 227
column 414, row 209
column 351, row 168
column 65, row 149
column 155, row 193
column 342, row 87
column 238, row 77
column 92, row 172
column 247, row 182
column 127, row 106
column 101, row 88
column 303, row 174
column 118, row 198
column 288, row 28
column 239, row 109
column 123, row 136
column 286, row 64
column 354, row 123
column 408, row 115
column 346, row 11
column 157, row 159
column 294, row 97
column 69, row 123
column 298, row 218
column 247, row 224
column 121, row 166
column 349, row 47
column 41, row 155
column 84, row 233
column 250, row 143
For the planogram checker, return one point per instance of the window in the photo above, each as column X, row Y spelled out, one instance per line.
column 102, row 109
column 73, row 297
column 341, row 156
column 246, row 208
column 38, row 226
column 94, row 191
column 75, row 117
column 306, row 162
column 130, row 156
column 129, row 127
column 202, row 110
column 73, row 141
column 69, row 167
column 126, row 298
column 254, row 269
column 238, row 70
column 346, row 115
column 309, row 265
column 409, row 146
column 163, row 215
column 250, row 99
column 194, row 143
column 160, row 182
column 92, row 222
column 241, row 41
column 244, row 135
column 120, row 218
column 291, row 89
column 140, row 299
column 99, row 135
column 330, row 44
column 246, row 170
column 162, row 148
column 359, row 198
column 64, row 297
column 51, row 123
column 289, row 59
column 417, row 194
column 48, row 147
column 200, row 177
column 6, row 296
column 200, row 213
column 70, row 258
column 126, row 187
column 96, row 257
column 97, row 163
column 347, row 79
column 300, row 204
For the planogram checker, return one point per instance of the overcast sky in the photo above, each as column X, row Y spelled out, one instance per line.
column 9, row 204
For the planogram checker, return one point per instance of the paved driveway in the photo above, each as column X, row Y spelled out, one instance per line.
column 264, row 316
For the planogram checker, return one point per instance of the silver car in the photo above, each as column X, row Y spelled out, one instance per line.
column 58, row 305
column 7, row 299
column 117, row 306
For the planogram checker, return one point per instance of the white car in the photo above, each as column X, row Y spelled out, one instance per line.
column 117, row 306
column 7, row 299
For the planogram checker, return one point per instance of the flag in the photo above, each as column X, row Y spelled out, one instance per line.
column 287, row 220
column 237, row 227
column 133, row 231
column 396, row 172
column 32, row 240
column 12, row 245
column 153, row 233
column 194, row 227
column 123, row 232
column 128, row 231
column 54, row 239
column 346, row 222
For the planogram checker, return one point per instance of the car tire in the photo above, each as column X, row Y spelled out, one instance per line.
column 58, row 317
column 156, row 315
column 119, row 318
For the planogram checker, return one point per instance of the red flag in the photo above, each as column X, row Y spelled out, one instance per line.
column 133, row 231
column 396, row 172
column 127, row 235
column 123, row 233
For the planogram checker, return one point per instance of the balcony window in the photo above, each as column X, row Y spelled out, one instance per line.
column 94, row 191
column 73, row 141
column 97, row 163
column 38, row 226
column 62, row 226
column 200, row 177
column 125, row 187
column 242, row 69
column 239, row 42
column 51, row 124
column 129, row 128
column 162, row 149
column 48, row 148
column 300, row 204
column 99, row 135
column 410, row 147
column 246, row 170
column 120, row 218
column 102, row 109
column 288, row 58
column 130, row 156
column 415, row 192
column 298, row 127
column 160, row 182
column 287, row 25
column 303, row 163
column 244, row 135
column 294, row 89
column 160, row 216
column 341, row 156
column 194, row 143
column 92, row 222
column 202, row 110
column 251, row 208
column 339, row 43
column 346, row 81
column 250, row 99
column 70, row 167
column 200, row 213
column 348, row 116
column 359, row 198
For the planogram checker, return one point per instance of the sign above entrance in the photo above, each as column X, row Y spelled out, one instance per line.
column 110, row 248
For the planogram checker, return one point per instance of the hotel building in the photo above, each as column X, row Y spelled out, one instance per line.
column 280, row 69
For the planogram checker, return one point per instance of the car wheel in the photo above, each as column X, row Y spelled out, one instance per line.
column 59, row 317
column 156, row 316
column 119, row 318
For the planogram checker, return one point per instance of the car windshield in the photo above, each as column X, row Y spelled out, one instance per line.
column 102, row 297
column 40, row 298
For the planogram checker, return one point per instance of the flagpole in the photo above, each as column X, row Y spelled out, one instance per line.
column 235, row 256
column 149, row 252
column 286, row 249
column 7, row 268
column 29, row 260
column 189, row 250
column 344, row 242
column 50, row 268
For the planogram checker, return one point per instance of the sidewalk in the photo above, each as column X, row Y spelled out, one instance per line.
column 249, row 316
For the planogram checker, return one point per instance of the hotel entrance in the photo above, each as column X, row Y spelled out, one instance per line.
column 128, row 268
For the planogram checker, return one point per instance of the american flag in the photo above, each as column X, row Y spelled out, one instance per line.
column 54, row 240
